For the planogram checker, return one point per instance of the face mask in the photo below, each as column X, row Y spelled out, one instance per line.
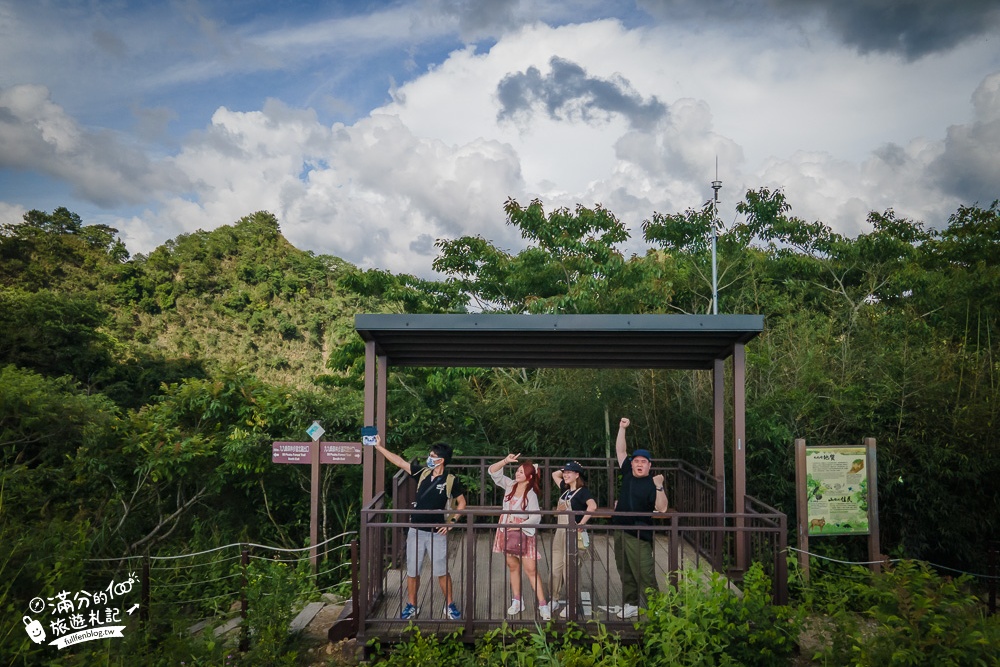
column 432, row 462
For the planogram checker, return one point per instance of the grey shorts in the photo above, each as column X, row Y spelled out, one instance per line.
column 422, row 542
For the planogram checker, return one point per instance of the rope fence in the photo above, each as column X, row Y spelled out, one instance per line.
column 172, row 581
column 893, row 560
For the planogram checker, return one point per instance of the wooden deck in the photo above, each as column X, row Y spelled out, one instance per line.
column 484, row 597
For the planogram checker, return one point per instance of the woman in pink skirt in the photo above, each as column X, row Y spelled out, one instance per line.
column 515, row 537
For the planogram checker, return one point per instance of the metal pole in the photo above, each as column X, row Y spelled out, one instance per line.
column 716, row 185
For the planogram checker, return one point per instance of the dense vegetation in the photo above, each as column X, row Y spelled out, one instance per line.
column 139, row 395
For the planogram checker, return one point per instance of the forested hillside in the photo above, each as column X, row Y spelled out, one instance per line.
column 139, row 395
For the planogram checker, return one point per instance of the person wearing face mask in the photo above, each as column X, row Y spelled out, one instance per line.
column 516, row 537
column 634, row 548
column 435, row 489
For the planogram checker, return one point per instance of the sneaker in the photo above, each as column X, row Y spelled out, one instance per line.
column 562, row 612
column 515, row 607
column 409, row 611
column 452, row 613
column 555, row 604
column 628, row 611
column 544, row 612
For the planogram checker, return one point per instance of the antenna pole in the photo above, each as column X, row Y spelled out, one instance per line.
column 716, row 185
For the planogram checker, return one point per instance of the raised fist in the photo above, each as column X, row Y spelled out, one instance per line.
column 658, row 480
column 624, row 423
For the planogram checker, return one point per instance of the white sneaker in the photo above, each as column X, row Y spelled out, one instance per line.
column 515, row 608
column 628, row 611
column 544, row 612
column 562, row 614
column 555, row 604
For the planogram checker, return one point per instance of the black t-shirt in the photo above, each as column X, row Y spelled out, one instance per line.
column 577, row 500
column 432, row 494
column 638, row 494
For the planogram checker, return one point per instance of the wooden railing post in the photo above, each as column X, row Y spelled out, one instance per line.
column 468, row 594
column 355, row 588
column 781, row 563
column 572, row 563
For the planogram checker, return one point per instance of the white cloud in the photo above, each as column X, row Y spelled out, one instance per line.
column 372, row 193
column 781, row 105
column 11, row 213
column 37, row 134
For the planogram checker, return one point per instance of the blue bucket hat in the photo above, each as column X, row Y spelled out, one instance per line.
column 644, row 453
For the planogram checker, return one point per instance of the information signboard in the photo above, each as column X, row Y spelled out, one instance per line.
column 837, row 490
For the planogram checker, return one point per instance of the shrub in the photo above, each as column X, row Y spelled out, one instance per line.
column 703, row 622
column 926, row 619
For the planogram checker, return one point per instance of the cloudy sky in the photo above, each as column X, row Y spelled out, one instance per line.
column 371, row 129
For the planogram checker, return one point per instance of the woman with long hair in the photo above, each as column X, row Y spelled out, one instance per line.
column 573, row 495
column 515, row 537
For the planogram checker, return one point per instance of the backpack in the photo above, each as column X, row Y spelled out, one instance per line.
column 449, row 484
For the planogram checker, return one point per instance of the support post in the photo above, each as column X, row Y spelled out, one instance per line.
column 369, row 454
column 739, row 451
column 874, row 543
column 719, row 455
column 801, row 507
column 314, row 487
column 381, row 418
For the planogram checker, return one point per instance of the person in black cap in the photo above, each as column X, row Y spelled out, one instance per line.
column 427, row 536
column 634, row 548
column 574, row 496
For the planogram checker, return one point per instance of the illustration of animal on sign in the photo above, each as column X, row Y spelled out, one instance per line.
column 857, row 466
column 817, row 523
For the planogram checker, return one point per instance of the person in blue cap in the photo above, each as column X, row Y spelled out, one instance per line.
column 634, row 548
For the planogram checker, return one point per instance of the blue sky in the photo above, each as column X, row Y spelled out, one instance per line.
column 373, row 129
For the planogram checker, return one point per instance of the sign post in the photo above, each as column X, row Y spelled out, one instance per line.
column 315, row 432
column 315, row 453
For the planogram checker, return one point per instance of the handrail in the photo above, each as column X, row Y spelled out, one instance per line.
column 693, row 519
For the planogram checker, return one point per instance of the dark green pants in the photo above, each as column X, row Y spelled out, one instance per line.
column 635, row 567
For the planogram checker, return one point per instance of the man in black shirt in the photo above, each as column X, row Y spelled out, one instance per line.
column 634, row 548
column 434, row 490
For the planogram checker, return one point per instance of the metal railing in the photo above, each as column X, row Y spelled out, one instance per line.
column 691, row 535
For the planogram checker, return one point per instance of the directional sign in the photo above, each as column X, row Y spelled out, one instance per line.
column 340, row 452
column 315, row 431
column 290, row 452
column 329, row 452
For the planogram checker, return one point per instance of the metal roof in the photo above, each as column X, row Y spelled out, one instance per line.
column 557, row 341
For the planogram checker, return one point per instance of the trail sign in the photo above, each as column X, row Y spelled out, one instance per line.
column 290, row 452
column 335, row 453
column 340, row 452
column 315, row 431
column 315, row 453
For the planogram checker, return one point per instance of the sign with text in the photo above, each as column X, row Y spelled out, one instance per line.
column 340, row 452
column 837, row 490
column 330, row 452
column 290, row 452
